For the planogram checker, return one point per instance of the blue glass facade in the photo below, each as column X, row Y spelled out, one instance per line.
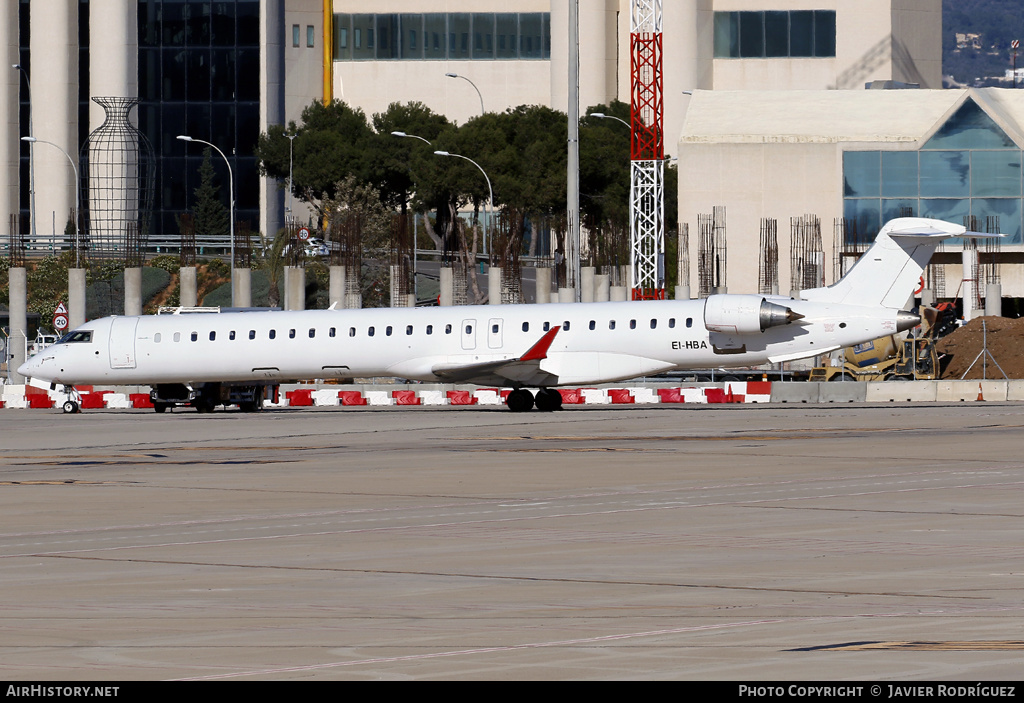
column 969, row 167
column 440, row 36
column 199, row 75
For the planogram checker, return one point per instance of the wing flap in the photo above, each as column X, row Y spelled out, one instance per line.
column 524, row 369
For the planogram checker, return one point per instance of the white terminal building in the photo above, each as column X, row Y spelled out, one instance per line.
column 776, row 109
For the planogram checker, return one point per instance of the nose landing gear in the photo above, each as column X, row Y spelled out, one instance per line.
column 73, row 402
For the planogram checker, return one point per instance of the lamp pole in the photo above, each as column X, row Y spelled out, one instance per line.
column 31, row 153
column 231, row 199
column 78, row 199
column 456, row 75
column 489, row 190
column 602, row 116
column 291, row 183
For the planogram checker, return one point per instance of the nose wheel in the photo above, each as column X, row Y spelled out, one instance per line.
column 73, row 402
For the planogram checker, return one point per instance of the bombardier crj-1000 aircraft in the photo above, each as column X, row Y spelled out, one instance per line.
column 208, row 359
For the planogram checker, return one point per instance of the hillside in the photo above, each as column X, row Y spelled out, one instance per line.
column 997, row 23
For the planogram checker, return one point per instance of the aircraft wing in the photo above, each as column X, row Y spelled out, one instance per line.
column 525, row 369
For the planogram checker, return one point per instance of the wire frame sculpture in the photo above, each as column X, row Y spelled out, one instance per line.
column 402, row 284
column 118, row 181
column 807, row 259
column 712, row 252
column 768, row 262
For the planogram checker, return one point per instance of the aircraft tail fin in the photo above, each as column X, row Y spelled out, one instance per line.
column 890, row 270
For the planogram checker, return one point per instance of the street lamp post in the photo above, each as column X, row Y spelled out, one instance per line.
column 602, row 116
column 291, row 183
column 78, row 199
column 31, row 154
column 456, row 75
column 489, row 190
column 231, row 199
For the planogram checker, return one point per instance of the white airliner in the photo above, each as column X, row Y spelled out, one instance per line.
column 207, row 359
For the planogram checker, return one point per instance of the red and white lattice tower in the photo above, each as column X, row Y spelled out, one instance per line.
column 647, row 153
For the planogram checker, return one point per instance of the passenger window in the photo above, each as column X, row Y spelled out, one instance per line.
column 430, row 329
column 231, row 335
column 156, row 337
column 177, row 336
column 632, row 324
column 312, row 333
column 593, row 324
column 671, row 323
column 654, row 324
column 469, row 329
column 273, row 334
column 547, row 326
column 408, row 329
column 195, row 336
column 447, row 329
column 252, row 334
column 291, row 334
column 689, row 322
column 213, row 336
column 611, row 324
column 494, row 329
column 351, row 331
column 332, row 332
column 526, row 327
column 369, row 332
column 565, row 325
column 387, row 330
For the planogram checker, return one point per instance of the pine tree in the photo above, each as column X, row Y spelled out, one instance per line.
column 211, row 217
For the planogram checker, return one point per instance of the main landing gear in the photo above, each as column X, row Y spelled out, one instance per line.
column 521, row 400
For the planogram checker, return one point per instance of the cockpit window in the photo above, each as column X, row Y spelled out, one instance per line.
column 76, row 336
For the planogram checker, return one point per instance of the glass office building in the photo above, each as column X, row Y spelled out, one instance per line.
column 968, row 167
column 199, row 75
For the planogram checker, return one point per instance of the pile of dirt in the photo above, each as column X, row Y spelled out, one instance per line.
column 1004, row 339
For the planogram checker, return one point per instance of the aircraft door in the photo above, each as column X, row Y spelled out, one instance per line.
column 494, row 326
column 469, row 334
column 122, row 342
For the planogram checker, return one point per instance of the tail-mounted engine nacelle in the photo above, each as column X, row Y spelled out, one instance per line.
column 744, row 314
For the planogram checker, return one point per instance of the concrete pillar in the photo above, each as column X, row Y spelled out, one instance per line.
column 494, row 285
column 10, row 129
column 336, row 290
column 54, row 47
column 928, row 298
column 969, row 261
column 242, row 288
column 294, row 288
column 272, row 102
column 543, row 275
column 602, row 287
column 133, row 291
column 76, row 298
column 682, row 292
column 994, row 300
column 188, row 288
column 567, row 295
column 618, row 294
column 113, row 53
column 18, row 288
column 587, row 274
column 447, row 295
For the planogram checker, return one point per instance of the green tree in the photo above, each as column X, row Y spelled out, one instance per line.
column 212, row 220
column 395, row 157
column 332, row 142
